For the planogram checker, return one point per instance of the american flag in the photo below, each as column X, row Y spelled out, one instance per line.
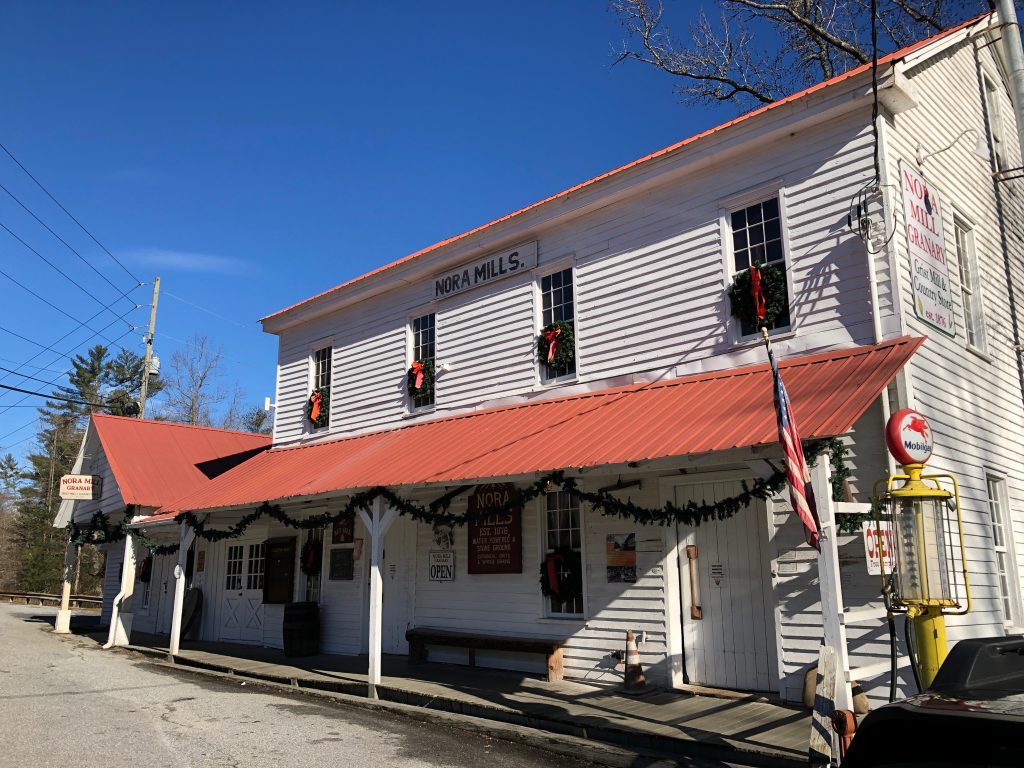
column 797, row 474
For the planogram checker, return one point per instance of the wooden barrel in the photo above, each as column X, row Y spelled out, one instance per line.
column 301, row 630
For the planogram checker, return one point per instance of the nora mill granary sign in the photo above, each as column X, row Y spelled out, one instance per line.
column 496, row 266
column 81, row 487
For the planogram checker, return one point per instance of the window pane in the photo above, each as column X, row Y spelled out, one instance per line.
column 771, row 208
column 557, row 306
column 754, row 214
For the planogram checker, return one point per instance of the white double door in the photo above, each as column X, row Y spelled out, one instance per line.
column 728, row 622
column 241, row 614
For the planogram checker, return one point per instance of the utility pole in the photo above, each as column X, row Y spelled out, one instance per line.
column 149, row 348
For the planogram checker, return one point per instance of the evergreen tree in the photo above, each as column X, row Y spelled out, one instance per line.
column 10, row 481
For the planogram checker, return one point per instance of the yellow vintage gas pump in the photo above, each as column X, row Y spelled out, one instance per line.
column 928, row 580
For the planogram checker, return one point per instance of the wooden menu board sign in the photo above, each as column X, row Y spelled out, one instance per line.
column 496, row 543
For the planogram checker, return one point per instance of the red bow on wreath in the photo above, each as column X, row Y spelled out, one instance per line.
column 552, row 339
column 316, row 402
column 756, row 292
column 417, row 369
column 552, row 561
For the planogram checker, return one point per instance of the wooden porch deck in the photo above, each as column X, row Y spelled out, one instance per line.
column 672, row 721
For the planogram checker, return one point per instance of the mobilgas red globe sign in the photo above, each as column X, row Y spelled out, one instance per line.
column 909, row 437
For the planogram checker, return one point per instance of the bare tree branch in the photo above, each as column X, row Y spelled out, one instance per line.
column 764, row 49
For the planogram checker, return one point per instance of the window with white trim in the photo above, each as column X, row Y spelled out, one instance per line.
column 995, row 125
column 974, row 319
column 563, row 531
column 757, row 239
column 321, row 380
column 997, row 507
column 423, row 351
column 558, row 304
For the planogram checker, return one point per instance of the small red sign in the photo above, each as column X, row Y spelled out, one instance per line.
column 909, row 437
column 496, row 543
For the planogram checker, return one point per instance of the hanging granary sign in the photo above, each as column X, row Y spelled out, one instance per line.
column 496, row 541
column 926, row 242
column 495, row 266
column 81, row 487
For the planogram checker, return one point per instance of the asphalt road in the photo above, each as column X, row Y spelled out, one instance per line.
column 66, row 702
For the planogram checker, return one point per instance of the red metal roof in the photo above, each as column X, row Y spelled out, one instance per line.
column 155, row 462
column 894, row 56
column 690, row 415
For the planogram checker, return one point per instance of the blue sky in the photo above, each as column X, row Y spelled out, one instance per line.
column 255, row 154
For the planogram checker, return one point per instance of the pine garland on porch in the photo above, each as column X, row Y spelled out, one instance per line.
column 437, row 512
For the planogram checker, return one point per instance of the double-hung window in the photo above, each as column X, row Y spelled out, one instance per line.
column 757, row 239
column 558, row 305
column 563, row 531
column 321, row 382
column 974, row 319
column 997, row 508
column 423, row 352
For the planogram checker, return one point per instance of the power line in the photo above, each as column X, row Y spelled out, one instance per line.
column 51, row 305
column 24, row 376
column 248, row 326
column 4, row 409
column 80, row 225
column 63, row 241
column 54, row 397
column 50, row 348
column 53, row 266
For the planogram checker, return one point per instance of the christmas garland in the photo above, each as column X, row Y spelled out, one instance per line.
column 561, row 575
column 744, row 302
column 310, row 560
column 99, row 530
column 318, row 407
column 556, row 346
column 419, row 379
column 437, row 512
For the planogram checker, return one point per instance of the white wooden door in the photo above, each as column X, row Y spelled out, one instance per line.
column 732, row 643
column 163, row 604
column 398, row 576
column 242, row 603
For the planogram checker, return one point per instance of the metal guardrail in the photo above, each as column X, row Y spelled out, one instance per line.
column 43, row 598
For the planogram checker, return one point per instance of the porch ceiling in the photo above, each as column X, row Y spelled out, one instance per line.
column 690, row 415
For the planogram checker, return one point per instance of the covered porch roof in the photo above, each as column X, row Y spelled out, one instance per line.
column 694, row 414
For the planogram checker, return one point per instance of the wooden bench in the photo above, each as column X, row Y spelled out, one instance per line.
column 551, row 647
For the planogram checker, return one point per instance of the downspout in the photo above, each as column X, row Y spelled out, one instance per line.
column 1015, row 59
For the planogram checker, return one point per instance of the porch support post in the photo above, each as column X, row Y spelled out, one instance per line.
column 829, row 583
column 121, row 619
column 184, row 542
column 63, row 623
column 377, row 523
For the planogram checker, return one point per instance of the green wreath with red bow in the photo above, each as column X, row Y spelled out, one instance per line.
column 556, row 346
column 310, row 560
column 318, row 407
column 758, row 296
column 561, row 575
column 419, row 379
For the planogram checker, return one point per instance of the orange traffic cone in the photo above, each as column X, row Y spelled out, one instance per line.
column 635, row 680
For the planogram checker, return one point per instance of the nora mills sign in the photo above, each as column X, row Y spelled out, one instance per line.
column 489, row 269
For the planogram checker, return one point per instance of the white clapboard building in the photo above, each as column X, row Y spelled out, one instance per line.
column 668, row 399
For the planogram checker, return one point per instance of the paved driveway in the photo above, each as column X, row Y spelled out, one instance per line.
column 63, row 702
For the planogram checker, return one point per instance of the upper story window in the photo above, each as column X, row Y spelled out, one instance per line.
column 757, row 239
column 974, row 318
column 558, row 305
column 997, row 511
column 318, row 407
column 995, row 125
column 564, row 536
column 423, row 352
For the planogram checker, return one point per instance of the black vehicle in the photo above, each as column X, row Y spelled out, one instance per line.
column 972, row 715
